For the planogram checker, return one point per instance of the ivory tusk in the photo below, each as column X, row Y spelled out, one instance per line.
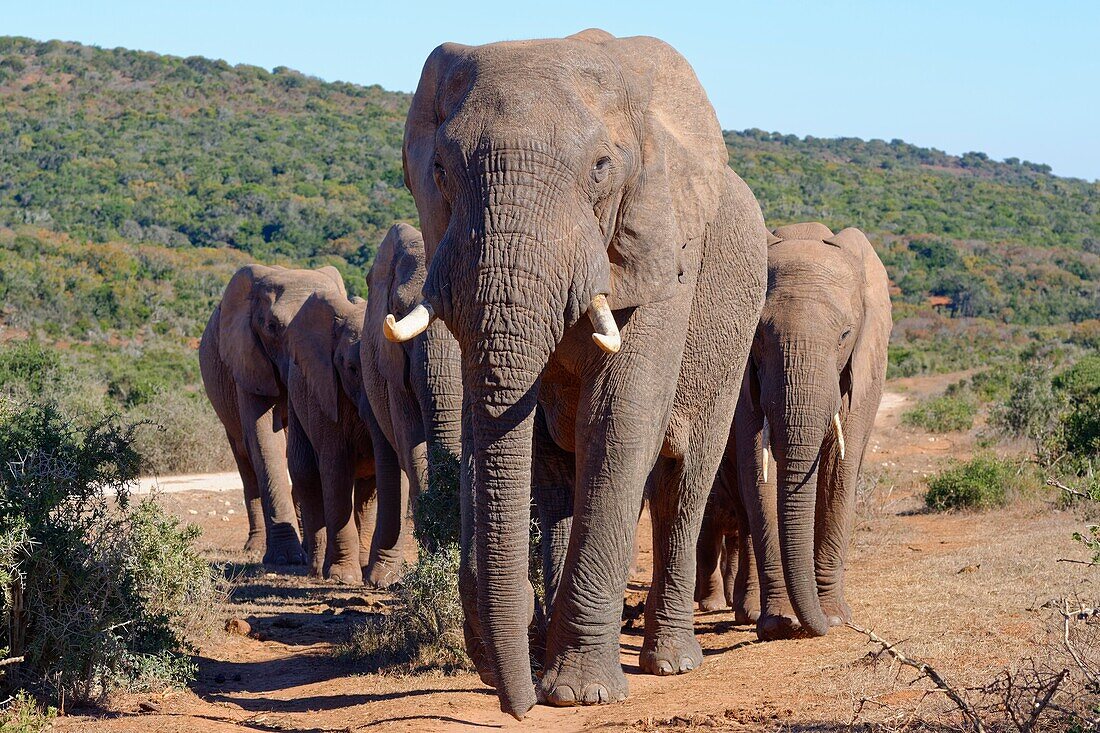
column 765, row 447
column 409, row 327
column 605, row 332
column 839, row 434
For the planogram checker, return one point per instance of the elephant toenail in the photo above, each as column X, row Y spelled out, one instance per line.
column 595, row 694
column 664, row 667
column 686, row 665
column 563, row 695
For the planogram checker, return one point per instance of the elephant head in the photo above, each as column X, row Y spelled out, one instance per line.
column 323, row 343
column 554, row 179
column 258, row 305
column 818, row 357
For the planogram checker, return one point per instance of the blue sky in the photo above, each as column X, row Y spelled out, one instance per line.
column 1007, row 78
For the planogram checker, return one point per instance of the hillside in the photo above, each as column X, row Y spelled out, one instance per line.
column 133, row 184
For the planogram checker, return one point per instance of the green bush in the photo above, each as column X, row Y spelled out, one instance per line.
column 943, row 414
column 23, row 714
column 424, row 629
column 436, row 513
column 99, row 595
column 983, row 482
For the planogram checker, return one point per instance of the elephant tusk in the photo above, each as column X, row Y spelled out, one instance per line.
column 605, row 332
column 765, row 447
column 839, row 434
column 409, row 327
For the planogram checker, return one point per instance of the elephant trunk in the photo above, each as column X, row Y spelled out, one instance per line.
column 442, row 404
column 809, row 394
column 501, row 426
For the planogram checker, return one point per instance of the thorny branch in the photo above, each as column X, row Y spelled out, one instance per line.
column 1068, row 617
column 925, row 670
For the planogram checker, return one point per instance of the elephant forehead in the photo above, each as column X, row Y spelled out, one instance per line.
column 797, row 260
column 532, row 81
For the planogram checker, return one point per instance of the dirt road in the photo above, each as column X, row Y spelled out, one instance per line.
column 963, row 591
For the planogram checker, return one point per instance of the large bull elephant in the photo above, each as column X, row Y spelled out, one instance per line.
column 244, row 367
column 593, row 253
column 329, row 445
column 414, row 388
column 809, row 397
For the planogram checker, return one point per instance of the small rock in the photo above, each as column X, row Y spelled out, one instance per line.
column 148, row 707
column 969, row 569
column 238, row 626
column 212, row 513
column 192, row 511
column 225, row 519
column 230, row 511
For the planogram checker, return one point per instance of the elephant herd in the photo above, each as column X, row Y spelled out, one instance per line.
column 595, row 316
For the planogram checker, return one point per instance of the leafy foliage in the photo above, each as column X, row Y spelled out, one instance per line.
column 952, row 411
column 983, row 482
column 98, row 595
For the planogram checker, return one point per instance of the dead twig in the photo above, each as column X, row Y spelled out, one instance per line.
column 1068, row 490
column 10, row 660
column 925, row 670
column 1068, row 618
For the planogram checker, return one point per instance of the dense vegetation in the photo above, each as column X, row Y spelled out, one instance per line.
column 133, row 184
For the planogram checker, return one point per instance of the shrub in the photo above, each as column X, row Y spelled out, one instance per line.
column 99, row 595
column 437, row 514
column 24, row 715
column 983, row 482
column 180, row 434
column 424, row 630
column 944, row 413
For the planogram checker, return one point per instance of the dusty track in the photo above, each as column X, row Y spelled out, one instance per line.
column 964, row 591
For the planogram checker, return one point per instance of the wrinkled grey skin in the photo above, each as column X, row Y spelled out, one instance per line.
column 414, row 390
column 820, row 350
column 244, row 364
column 725, row 566
column 546, row 173
column 329, row 447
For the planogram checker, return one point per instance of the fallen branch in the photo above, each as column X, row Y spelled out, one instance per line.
column 1068, row 490
column 10, row 660
column 925, row 670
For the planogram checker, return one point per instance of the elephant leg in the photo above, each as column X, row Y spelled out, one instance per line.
column 384, row 564
column 307, row 493
column 252, row 502
column 365, row 516
column 267, row 452
column 337, row 481
column 709, row 591
column 553, row 471
column 743, row 593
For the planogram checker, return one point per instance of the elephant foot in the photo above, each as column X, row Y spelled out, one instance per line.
column 256, row 544
column 348, row 573
column 771, row 627
column 381, row 574
column 673, row 651
column 715, row 601
column 836, row 610
column 745, row 615
column 591, row 677
column 285, row 552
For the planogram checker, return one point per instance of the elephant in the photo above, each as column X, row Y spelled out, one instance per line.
column 244, row 365
column 594, row 255
column 414, row 389
column 811, row 389
column 725, row 566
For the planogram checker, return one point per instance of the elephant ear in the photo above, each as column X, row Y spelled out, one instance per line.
column 238, row 344
column 418, row 149
column 311, row 339
column 868, row 361
column 337, row 279
column 683, row 173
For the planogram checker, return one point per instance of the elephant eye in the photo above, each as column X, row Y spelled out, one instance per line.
column 844, row 336
column 440, row 171
column 601, row 168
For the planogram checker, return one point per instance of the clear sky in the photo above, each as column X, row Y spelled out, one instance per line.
column 1004, row 77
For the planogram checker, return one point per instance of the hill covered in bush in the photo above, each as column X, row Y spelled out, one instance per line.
column 133, row 184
